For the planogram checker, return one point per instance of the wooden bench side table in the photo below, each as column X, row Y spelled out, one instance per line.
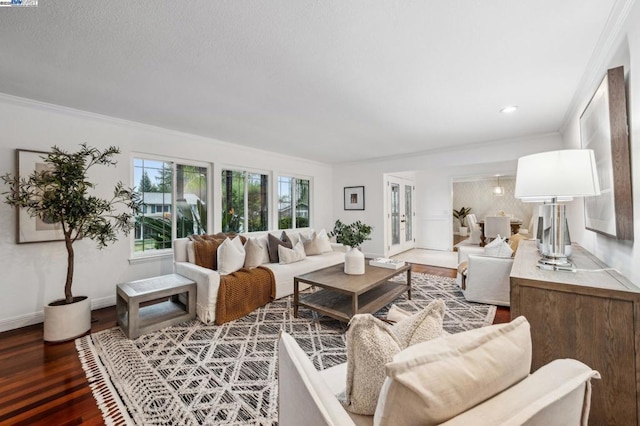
column 135, row 320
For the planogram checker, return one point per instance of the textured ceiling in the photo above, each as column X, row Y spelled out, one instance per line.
column 331, row 80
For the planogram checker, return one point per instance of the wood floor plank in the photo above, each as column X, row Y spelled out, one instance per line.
column 44, row 384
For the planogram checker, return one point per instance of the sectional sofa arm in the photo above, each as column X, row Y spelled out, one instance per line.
column 207, row 284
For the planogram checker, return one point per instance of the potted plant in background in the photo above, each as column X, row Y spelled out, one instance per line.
column 352, row 236
column 59, row 194
column 460, row 215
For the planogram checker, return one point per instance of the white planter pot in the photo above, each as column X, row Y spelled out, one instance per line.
column 353, row 262
column 462, row 231
column 66, row 322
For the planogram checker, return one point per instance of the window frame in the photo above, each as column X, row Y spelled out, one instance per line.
column 248, row 170
column 276, row 187
column 174, row 161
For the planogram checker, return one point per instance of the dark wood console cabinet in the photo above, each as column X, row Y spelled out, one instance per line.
column 593, row 317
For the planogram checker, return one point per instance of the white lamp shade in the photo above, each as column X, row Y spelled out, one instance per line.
column 560, row 174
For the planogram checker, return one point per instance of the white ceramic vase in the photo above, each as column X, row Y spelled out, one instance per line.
column 353, row 262
column 67, row 321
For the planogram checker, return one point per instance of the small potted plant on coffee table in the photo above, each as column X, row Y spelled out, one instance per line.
column 352, row 236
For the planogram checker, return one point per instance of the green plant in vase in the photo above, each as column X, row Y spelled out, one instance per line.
column 352, row 235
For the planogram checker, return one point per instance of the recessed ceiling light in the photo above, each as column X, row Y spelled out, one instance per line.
column 509, row 109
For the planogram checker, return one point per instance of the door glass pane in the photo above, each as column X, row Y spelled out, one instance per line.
column 395, row 213
column 408, row 213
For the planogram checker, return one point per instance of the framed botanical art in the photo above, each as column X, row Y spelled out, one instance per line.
column 33, row 229
column 354, row 198
column 603, row 128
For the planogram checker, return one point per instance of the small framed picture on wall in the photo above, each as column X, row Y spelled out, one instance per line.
column 354, row 198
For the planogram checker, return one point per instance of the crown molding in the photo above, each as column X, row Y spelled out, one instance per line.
column 594, row 72
column 121, row 122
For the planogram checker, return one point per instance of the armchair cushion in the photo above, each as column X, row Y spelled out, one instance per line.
column 433, row 381
column 371, row 344
column 498, row 248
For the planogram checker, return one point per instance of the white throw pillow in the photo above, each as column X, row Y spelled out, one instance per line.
column 397, row 314
column 231, row 256
column 254, row 253
column 371, row 344
column 295, row 254
column 431, row 382
column 325, row 243
column 498, row 248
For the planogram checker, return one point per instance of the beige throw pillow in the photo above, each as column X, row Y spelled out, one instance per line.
column 231, row 256
column 313, row 246
column 423, row 326
column 431, row 382
column 325, row 243
column 372, row 343
column 295, row 254
column 255, row 250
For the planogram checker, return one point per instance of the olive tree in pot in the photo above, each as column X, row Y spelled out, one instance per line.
column 60, row 194
column 352, row 236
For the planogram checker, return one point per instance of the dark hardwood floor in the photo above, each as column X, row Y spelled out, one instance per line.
column 44, row 384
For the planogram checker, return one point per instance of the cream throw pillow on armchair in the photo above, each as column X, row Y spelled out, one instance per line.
column 432, row 382
column 372, row 343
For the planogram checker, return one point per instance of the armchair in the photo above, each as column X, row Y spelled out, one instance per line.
column 493, row 363
column 486, row 279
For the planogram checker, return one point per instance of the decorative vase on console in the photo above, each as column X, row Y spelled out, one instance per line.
column 352, row 236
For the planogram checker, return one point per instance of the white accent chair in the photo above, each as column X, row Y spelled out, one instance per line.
column 497, row 225
column 558, row 393
column 487, row 277
column 475, row 233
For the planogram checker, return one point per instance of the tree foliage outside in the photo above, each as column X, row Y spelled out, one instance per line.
column 60, row 194
column 146, row 185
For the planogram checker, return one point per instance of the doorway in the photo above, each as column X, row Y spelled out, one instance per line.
column 400, row 214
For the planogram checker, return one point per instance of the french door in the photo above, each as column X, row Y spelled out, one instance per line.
column 400, row 217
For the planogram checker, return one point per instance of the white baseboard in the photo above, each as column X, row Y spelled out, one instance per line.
column 37, row 317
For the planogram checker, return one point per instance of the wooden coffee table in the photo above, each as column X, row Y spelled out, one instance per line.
column 342, row 296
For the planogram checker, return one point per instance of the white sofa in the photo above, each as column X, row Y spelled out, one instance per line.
column 208, row 281
column 558, row 393
column 487, row 277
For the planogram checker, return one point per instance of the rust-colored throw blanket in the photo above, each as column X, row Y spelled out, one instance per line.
column 242, row 292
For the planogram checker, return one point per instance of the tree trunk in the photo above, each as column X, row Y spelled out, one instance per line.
column 70, row 256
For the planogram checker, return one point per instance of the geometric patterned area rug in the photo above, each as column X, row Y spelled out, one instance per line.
column 193, row 373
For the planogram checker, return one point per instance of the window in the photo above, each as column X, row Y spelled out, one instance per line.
column 166, row 187
column 245, row 201
column 293, row 214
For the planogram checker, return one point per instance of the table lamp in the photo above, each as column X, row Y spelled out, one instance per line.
column 552, row 177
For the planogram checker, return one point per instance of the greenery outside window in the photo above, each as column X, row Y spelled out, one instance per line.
column 293, row 202
column 174, row 197
column 245, row 201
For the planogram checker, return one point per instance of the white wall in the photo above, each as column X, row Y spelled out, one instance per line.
column 33, row 274
column 624, row 50
column 435, row 172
